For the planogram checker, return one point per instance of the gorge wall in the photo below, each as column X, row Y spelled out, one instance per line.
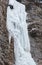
column 34, row 19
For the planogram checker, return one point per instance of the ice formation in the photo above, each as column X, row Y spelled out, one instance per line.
column 17, row 28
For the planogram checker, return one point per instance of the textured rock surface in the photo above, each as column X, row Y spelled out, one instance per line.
column 34, row 18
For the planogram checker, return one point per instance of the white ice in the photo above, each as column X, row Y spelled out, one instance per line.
column 17, row 28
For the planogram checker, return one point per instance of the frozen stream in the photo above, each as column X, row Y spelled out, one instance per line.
column 17, row 28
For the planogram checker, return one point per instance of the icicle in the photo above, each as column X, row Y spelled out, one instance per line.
column 17, row 28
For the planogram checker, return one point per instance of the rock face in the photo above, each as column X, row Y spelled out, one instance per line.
column 34, row 21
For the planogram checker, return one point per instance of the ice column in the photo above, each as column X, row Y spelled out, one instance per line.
column 17, row 28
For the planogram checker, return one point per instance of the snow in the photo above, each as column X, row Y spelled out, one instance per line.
column 17, row 28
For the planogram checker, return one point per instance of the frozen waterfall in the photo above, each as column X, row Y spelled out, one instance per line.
column 17, row 28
